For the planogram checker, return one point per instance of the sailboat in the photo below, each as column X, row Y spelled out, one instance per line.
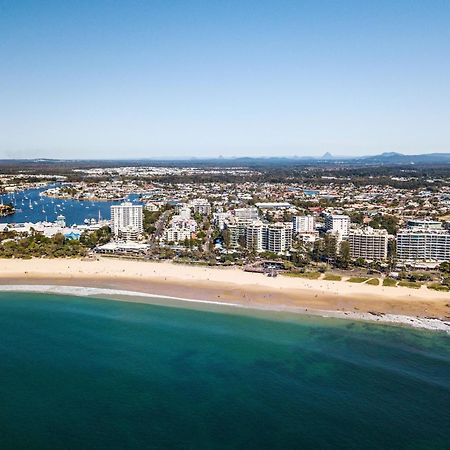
column 30, row 205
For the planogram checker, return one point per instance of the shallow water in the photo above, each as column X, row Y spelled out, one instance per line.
column 90, row 373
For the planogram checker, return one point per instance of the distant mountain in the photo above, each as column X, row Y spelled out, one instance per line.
column 399, row 158
column 387, row 158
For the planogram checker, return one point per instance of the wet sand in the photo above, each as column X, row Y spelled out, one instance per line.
column 228, row 285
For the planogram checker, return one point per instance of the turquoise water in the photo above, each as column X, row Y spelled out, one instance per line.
column 79, row 373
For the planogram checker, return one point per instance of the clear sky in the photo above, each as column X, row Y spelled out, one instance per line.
column 117, row 79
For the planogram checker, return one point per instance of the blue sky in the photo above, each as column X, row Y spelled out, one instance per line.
column 100, row 79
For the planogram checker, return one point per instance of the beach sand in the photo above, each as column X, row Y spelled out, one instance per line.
column 233, row 286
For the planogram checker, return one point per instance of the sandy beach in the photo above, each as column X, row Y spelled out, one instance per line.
column 232, row 286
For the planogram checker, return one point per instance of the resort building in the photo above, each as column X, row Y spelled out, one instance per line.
column 273, row 205
column 231, row 235
column 424, row 245
column 219, row 219
column 181, row 227
column 246, row 214
column 424, row 224
column 279, row 237
column 256, row 236
column 201, row 206
column 274, row 237
column 127, row 221
column 337, row 223
column 303, row 224
column 368, row 243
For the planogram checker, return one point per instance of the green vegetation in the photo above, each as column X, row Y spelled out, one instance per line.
column 409, row 284
column 439, row 287
column 69, row 191
column 357, row 279
column 445, row 267
column 98, row 237
column 308, row 275
column 390, row 282
column 332, row 277
column 150, row 218
column 416, row 276
column 373, row 282
column 16, row 245
column 390, row 223
column 38, row 245
column 325, row 249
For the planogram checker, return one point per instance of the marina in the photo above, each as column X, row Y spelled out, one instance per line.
column 31, row 206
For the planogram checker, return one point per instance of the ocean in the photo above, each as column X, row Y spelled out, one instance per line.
column 83, row 373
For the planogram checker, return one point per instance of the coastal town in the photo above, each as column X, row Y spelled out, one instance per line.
column 393, row 230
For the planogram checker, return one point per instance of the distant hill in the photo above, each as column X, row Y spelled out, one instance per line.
column 387, row 158
column 399, row 158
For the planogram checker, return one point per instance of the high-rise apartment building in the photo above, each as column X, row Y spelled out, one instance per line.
column 423, row 244
column 337, row 223
column 303, row 224
column 279, row 237
column 127, row 222
column 368, row 243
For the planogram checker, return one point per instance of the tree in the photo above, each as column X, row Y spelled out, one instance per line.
column 226, row 238
column 392, row 253
column 317, row 251
column 386, row 221
column 329, row 247
column 445, row 267
column 97, row 237
column 344, row 255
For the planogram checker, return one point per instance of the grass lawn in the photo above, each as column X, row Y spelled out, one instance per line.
column 308, row 275
column 389, row 282
column 332, row 277
column 373, row 282
column 438, row 287
column 357, row 279
column 410, row 284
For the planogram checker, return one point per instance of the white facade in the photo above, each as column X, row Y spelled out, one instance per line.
column 424, row 224
column 201, row 206
column 368, row 243
column 181, row 227
column 232, row 231
column 174, row 234
column 246, row 214
column 219, row 219
column 273, row 205
column 127, row 221
column 423, row 245
column 337, row 223
column 255, row 234
column 279, row 237
column 304, row 224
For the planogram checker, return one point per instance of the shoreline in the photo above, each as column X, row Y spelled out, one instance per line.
column 147, row 298
column 228, row 286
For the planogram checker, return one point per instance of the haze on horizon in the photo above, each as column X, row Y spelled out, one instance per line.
column 138, row 79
